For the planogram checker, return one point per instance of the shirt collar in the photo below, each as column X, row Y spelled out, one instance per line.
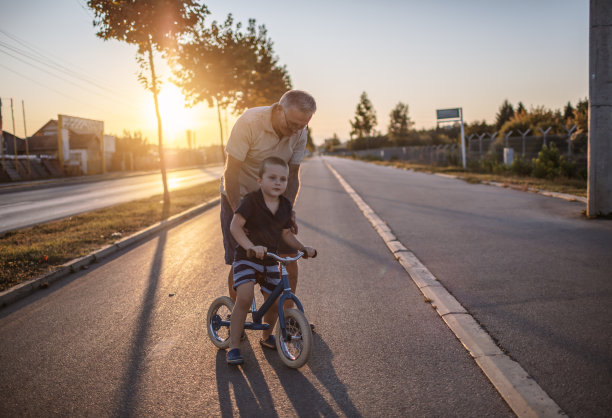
column 268, row 125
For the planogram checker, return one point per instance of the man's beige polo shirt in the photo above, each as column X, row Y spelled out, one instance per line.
column 253, row 139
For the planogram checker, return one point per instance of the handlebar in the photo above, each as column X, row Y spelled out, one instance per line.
column 300, row 254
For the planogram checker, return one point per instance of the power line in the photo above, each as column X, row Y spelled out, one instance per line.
column 63, row 94
column 59, row 77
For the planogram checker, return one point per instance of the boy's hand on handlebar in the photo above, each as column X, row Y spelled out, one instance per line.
column 309, row 252
column 258, row 251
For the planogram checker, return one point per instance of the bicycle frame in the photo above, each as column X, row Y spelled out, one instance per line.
column 283, row 289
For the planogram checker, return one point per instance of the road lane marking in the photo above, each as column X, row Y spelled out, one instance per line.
column 520, row 391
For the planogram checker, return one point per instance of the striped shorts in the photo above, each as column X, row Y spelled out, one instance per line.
column 245, row 271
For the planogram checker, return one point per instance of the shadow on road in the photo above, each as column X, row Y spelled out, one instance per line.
column 251, row 392
column 307, row 400
column 128, row 391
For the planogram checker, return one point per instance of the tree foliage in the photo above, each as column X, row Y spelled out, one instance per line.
column 399, row 123
column 150, row 25
column 229, row 67
column 504, row 114
column 365, row 118
column 537, row 117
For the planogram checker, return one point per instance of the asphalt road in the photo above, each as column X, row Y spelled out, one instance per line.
column 127, row 337
column 34, row 205
column 531, row 270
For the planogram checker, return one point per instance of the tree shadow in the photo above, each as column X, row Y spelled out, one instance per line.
column 128, row 392
column 251, row 392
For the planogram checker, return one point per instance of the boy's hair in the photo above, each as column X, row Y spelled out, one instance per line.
column 271, row 161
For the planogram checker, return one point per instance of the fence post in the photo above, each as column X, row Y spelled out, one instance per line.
column 506, row 136
column 544, row 133
column 480, row 145
column 524, row 134
column 569, row 139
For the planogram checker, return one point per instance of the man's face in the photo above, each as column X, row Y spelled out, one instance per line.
column 293, row 120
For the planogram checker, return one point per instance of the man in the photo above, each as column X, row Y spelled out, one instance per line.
column 280, row 130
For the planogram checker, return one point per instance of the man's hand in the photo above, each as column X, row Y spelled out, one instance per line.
column 293, row 227
column 259, row 251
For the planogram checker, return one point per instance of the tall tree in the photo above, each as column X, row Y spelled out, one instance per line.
column 153, row 26
column 520, row 108
column 568, row 112
column 263, row 79
column 400, row 123
column 226, row 66
column 365, row 118
column 505, row 113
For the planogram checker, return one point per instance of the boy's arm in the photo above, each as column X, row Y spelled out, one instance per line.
column 237, row 230
column 291, row 240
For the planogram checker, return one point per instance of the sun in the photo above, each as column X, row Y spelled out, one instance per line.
column 176, row 118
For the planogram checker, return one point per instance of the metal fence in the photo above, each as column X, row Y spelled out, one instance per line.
column 478, row 147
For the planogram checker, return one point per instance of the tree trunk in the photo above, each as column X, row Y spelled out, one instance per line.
column 162, row 160
column 220, row 128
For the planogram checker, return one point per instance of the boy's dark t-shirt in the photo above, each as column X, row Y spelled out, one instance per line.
column 264, row 227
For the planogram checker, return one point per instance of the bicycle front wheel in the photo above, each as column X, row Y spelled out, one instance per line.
column 295, row 352
column 220, row 310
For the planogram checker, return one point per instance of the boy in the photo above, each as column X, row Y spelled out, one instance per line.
column 266, row 215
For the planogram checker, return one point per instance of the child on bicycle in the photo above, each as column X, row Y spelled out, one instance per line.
column 261, row 220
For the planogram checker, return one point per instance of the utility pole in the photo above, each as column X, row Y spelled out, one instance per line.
column 2, row 138
column 25, row 138
column 14, row 134
column 599, row 187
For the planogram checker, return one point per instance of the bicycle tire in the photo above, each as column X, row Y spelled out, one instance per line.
column 220, row 309
column 296, row 352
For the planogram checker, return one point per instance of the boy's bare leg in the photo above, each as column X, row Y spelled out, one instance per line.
column 230, row 284
column 244, row 296
column 270, row 318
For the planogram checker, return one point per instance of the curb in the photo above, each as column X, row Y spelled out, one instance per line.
column 520, row 391
column 22, row 290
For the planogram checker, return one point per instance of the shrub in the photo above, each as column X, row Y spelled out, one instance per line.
column 550, row 163
column 521, row 167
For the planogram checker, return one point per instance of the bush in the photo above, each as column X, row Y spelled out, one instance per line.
column 521, row 167
column 550, row 164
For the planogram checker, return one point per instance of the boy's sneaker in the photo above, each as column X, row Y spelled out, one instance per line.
column 269, row 342
column 234, row 356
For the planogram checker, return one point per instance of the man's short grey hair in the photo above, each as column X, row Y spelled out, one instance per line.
column 299, row 100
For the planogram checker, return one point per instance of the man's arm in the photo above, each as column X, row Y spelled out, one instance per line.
column 293, row 183
column 293, row 186
column 231, row 183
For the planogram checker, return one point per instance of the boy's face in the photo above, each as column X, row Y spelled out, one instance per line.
column 274, row 180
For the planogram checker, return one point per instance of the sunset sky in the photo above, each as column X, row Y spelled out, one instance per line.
column 429, row 54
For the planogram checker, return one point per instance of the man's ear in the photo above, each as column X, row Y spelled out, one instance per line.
column 259, row 180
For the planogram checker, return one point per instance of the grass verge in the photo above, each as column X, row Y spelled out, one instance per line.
column 29, row 252
column 559, row 185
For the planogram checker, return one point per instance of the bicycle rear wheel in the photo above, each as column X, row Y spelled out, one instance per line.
column 220, row 310
column 295, row 352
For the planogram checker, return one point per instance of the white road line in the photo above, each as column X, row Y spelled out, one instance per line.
column 520, row 391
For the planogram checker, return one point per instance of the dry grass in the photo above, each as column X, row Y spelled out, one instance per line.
column 559, row 185
column 30, row 252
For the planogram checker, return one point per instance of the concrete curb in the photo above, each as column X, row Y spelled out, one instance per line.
column 22, row 290
column 524, row 396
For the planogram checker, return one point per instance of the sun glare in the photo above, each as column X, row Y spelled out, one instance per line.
column 176, row 119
